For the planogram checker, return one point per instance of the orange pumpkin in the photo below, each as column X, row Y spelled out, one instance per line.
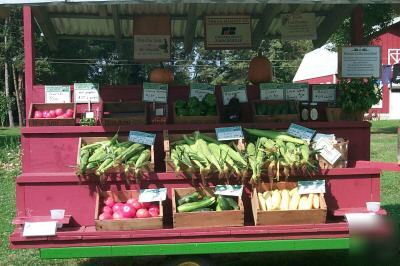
column 260, row 70
column 161, row 75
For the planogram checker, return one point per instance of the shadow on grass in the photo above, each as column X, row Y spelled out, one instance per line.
column 384, row 130
column 9, row 142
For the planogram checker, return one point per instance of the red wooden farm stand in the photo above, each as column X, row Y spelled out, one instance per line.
column 48, row 181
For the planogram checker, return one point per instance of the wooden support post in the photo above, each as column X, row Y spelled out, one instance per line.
column 29, row 57
column 190, row 31
column 357, row 26
column 117, row 27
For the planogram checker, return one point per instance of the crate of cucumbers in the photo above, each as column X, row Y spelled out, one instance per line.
column 200, row 207
column 280, row 203
column 275, row 111
column 195, row 111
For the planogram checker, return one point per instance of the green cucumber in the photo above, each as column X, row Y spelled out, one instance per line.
column 223, row 203
column 192, row 197
column 188, row 207
column 232, row 203
column 205, row 209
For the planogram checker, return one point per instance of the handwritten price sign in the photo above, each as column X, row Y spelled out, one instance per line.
column 57, row 94
column 155, row 92
column 297, row 92
column 272, row 91
column 86, row 92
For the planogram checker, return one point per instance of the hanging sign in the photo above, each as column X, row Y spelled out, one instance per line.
column 229, row 133
column 155, row 92
column 298, row 26
column 301, row 132
column 296, row 92
column 142, row 137
column 231, row 91
column 150, row 195
column 229, row 190
column 86, row 92
column 272, row 91
column 327, row 151
column 200, row 90
column 314, row 186
column 152, row 47
column 324, row 93
column 360, row 61
column 227, row 32
column 57, row 94
column 152, row 38
column 40, row 229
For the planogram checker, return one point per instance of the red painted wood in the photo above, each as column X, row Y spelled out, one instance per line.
column 383, row 166
column 22, row 220
column 357, row 26
column 29, row 56
column 330, row 79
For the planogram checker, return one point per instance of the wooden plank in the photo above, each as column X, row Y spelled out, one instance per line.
column 117, row 27
column 46, row 26
column 29, row 57
column 190, row 31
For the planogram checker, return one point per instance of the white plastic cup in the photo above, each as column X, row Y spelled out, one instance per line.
column 373, row 206
column 57, row 214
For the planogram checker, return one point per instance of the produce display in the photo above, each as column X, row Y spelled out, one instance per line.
column 204, row 155
column 195, row 107
column 277, row 154
column 101, row 156
column 284, row 108
column 54, row 113
column 195, row 202
column 132, row 208
column 288, row 200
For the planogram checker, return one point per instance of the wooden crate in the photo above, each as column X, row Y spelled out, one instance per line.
column 124, row 224
column 205, row 218
column 273, row 118
column 89, row 140
column 170, row 138
column 314, row 216
column 198, row 119
column 124, row 114
column 342, row 146
column 44, row 122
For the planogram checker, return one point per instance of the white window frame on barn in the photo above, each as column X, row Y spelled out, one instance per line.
column 393, row 54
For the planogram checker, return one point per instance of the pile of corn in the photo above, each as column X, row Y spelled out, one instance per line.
column 272, row 154
column 105, row 155
column 288, row 200
column 276, row 155
column 204, row 155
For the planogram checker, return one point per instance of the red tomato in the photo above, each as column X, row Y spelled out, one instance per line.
column 154, row 211
column 142, row 213
column 128, row 211
column 146, row 205
column 109, row 202
column 38, row 114
column 117, row 215
column 131, row 201
column 59, row 111
column 52, row 114
column 117, row 207
column 107, row 209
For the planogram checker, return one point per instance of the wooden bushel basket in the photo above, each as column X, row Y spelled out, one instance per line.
column 124, row 224
column 205, row 218
column 279, row 217
column 333, row 114
column 342, row 146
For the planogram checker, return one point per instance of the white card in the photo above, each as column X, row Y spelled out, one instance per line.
column 40, row 229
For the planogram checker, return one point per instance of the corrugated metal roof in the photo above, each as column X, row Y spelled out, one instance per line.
column 85, row 20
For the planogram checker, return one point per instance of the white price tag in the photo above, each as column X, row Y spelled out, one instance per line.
column 229, row 190
column 142, row 137
column 229, row 133
column 231, row 91
column 150, row 195
column 89, row 115
column 40, row 229
column 86, row 92
column 324, row 93
column 301, row 132
column 200, row 90
column 314, row 186
column 297, row 92
column 57, row 94
column 272, row 91
column 327, row 151
column 155, row 92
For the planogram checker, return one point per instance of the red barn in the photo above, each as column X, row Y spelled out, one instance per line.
column 320, row 67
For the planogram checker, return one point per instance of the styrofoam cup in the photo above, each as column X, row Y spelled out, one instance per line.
column 57, row 214
column 373, row 206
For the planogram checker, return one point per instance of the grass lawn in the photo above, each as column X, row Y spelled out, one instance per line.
column 383, row 148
